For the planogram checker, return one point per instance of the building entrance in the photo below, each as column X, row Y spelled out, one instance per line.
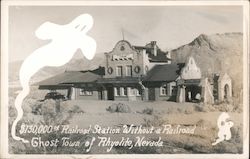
column 110, row 92
column 151, row 93
column 193, row 93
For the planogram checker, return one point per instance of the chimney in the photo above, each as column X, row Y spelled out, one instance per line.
column 154, row 48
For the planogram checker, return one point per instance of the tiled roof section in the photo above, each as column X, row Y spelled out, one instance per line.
column 57, row 79
column 160, row 57
column 80, row 77
column 99, row 71
column 158, row 73
column 70, row 77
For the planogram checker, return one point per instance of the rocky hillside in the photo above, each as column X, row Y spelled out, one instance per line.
column 216, row 53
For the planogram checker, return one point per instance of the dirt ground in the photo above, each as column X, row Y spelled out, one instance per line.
column 148, row 114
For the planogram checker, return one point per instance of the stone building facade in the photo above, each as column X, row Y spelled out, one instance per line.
column 125, row 69
column 133, row 73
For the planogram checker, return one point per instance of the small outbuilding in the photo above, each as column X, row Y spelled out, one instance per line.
column 222, row 87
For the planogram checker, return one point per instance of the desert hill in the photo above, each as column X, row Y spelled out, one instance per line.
column 216, row 53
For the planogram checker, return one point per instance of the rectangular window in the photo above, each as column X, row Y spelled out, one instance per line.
column 117, row 91
column 119, row 71
column 163, row 90
column 129, row 70
column 85, row 92
column 122, row 91
column 135, row 91
column 125, row 91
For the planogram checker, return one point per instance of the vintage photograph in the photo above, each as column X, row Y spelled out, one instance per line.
column 126, row 79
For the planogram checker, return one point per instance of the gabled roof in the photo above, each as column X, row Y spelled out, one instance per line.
column 159, row 73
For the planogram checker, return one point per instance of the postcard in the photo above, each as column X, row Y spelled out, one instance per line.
column 125, row 79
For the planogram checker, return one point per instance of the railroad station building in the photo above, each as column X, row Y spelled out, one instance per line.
column 132, row 73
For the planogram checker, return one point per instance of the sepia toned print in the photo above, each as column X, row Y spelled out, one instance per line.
column 164, row 80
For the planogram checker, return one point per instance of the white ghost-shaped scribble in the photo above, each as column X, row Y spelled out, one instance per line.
column 65, row 41
column 224, row 126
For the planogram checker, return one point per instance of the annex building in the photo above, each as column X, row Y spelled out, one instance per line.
column 144, row 73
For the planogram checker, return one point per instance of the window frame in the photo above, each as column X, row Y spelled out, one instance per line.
column 125, row 91
column 117, row 71
column 85, row 92
column 117, row 91
column 163, row 88
column 129, row 68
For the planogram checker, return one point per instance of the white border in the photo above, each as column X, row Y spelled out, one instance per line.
column 4, row 73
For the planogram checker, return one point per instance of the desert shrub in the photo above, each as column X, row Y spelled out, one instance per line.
column 180, row 110
column 198, row 108
column 168, row 111
column 237, row 108
column 236, row 134
column 226, row 147
column 27, row 105
column 233, row 145
column 49, row 117
column 76, row 109
column 148, row 111
column 155, row 121
column 37, row 109
column 48, row 106
column 201, row 122
column 203, row 108
column 196, row 145
column 205, row 125
column 112, row 108
column 224, row 107
column 189, row 110
column 237, row 137
column 12, row 109
column 119, row 108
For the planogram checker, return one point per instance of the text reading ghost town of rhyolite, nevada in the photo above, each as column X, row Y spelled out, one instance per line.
column 137, row 137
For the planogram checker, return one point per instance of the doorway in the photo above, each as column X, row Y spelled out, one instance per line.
column 226, row 92
column 100, row 94
column 193, row 93
column 151, row 94
column 110, row 93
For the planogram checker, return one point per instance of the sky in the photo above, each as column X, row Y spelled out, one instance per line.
column 170, row 26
